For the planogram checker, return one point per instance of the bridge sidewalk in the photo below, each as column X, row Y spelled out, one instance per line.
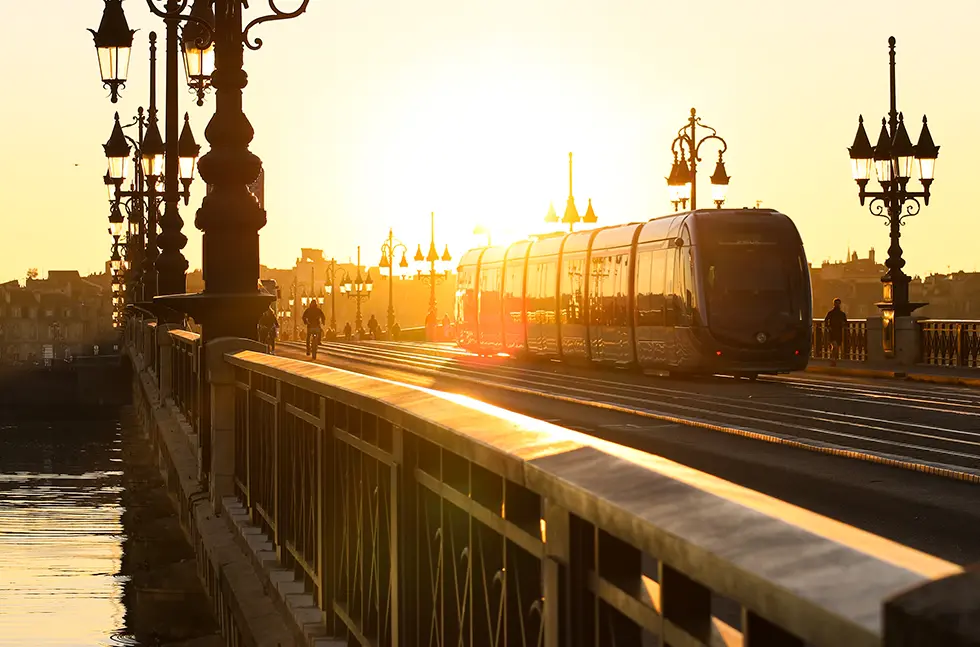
column 918, row 373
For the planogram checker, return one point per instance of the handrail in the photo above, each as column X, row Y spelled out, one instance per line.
column 186, row 383
column 855, row 341
column 411, row 513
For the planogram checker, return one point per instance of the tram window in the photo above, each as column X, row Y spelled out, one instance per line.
column 651, row 283
column 573, row 292
column 612, row 299
column 688, row 291
column 597, row 285
column 541, row 291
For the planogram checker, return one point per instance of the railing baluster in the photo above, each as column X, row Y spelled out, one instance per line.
column 759, row 632
column 685, row 605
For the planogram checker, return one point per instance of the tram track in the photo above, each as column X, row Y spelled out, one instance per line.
column 682, row 419
column 936, row 431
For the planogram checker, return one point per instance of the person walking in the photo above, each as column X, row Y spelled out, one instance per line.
column 396, row 331
column 347, row 331
column 373, row 327
column 446, row 330
column 313, row 319
column 835, row 323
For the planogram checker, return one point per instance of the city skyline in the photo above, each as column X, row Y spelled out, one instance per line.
column 472, row 111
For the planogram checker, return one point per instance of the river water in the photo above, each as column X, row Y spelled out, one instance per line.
column 61, row 534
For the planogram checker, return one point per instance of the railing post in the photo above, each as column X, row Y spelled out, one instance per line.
column 943, row 612
column 907, row 341
column 557, row 548
column 221, row 382
column 165, row 343
column 876, row 351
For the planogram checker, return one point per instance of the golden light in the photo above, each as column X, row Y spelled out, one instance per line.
column 487, row 148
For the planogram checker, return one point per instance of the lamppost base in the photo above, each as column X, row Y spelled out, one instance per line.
column 159, row 312
column 221, row 315
column 899, row 310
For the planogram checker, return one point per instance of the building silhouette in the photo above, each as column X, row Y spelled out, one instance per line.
column 56, row 318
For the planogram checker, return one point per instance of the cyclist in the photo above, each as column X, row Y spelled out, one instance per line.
column 268, row 329
column 313, row 319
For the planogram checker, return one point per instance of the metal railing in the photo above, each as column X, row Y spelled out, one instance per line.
column 950, row 343
column 855, row 341
column 186, row 384
column 416, row 518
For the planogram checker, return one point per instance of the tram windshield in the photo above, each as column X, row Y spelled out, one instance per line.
column 754, row 279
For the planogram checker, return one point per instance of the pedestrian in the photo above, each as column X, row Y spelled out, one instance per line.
column 395, row 331
column 835, row 323
column 347, row 331
column 373, row 327
column 446, row 331
column 430, row 326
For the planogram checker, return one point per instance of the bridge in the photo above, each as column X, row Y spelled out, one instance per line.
column 379, row 496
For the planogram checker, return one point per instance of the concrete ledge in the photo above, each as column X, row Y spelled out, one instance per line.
column 225, row 569
column 909, row 374
column 279, row 583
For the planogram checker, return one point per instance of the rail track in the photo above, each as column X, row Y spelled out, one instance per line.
column 933, row 429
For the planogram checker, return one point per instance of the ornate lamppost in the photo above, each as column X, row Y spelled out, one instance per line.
column 388, row 250
column 893, row 159
column 571, row 217
column 434, row 276
column 330, row 290
column 150, row 169
column 358, row 289
column 683, row 180
column 112, row 43
column 230, row 217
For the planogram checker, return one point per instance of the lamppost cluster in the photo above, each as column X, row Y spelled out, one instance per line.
column 682, row 183
column 358, row 289
column 894, row 159
column 571, row 217
column 389, row 248
column 163, row 170
column 439, row 268
column 212, row 45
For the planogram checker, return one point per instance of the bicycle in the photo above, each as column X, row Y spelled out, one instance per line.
column 268, row 336
column 315, row 336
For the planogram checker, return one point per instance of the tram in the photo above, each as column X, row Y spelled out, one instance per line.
column 720, row 291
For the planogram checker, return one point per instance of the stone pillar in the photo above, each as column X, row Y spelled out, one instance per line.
column 165, row 347
column 942, row 612
column 907, row 340
column 221, row 379
column 876, row 352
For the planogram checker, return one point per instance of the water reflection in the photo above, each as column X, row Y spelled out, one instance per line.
column 60, row 534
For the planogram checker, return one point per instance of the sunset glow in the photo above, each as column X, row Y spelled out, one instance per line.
column 364, row 123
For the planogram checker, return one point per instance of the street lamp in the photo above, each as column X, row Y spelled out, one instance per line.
column 230, row 217
column 571, row 217
column 682, row 183
column 388, row 251
column 893, row 159
column 358, row 289
column 188, row 150
column 198, row 48
column 434, row 275
column 117, row 150
column 161, row 160
column 113, row 43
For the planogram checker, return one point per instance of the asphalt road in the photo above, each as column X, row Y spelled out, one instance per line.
column 720, row 426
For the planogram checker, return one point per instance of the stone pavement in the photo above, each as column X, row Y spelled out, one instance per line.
column 956, row 376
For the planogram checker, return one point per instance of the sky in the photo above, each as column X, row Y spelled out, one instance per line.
column 372, row 114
